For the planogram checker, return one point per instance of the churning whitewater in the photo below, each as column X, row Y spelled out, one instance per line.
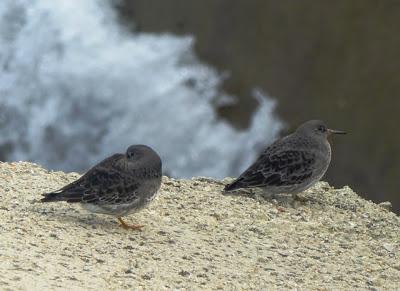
column 75, row 87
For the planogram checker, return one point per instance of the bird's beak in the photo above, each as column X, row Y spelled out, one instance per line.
column 333, row 131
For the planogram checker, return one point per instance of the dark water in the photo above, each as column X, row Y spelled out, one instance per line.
column 333, row 60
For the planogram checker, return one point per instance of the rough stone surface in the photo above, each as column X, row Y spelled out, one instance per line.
column 195, row 238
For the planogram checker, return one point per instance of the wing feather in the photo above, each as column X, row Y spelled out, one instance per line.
column 104, row 183
column 279, row 168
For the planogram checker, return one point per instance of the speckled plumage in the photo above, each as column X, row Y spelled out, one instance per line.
column 119, row 185
column 292, row 164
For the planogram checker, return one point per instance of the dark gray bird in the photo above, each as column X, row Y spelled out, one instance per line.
column 119, row 185
column 292, row 164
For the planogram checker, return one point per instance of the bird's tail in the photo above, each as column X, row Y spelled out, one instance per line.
column 52, row 197
column 232, row 186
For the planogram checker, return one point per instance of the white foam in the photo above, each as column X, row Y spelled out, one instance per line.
column 75, row 87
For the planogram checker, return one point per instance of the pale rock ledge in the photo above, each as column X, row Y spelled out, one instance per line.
column 195, row 238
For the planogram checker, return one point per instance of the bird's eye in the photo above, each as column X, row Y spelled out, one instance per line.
column 321, row 128
column 131, row 155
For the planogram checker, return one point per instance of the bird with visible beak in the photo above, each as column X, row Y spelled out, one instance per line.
column 292, row 164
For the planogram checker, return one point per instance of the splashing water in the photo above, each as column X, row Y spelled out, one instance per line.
column 76, row 87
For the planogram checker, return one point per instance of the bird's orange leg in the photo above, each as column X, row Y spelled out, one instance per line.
column 297, row 197
column 127, row 226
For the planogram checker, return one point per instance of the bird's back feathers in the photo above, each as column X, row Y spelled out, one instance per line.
column 284, row 164
column 110, row 181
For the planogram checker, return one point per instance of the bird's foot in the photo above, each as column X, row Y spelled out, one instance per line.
column 280, row 208
column 124, row 225
column 297, row 197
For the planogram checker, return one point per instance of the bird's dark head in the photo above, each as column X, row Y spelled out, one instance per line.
column 143, row 153
column 317, row 128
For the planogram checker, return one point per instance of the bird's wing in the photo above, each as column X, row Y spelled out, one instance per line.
column 279, row 168
column 110, row 186
column 106, row 163
column 102, row 183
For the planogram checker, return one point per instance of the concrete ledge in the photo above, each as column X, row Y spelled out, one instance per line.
column 195, row 238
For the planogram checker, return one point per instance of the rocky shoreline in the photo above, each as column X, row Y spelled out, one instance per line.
column 195, row 238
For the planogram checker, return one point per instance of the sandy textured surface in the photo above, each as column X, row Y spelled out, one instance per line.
column 195, row 238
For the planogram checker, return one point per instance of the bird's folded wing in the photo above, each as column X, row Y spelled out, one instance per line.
column 106, row 163
column 283, row 168
column 101, row 185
